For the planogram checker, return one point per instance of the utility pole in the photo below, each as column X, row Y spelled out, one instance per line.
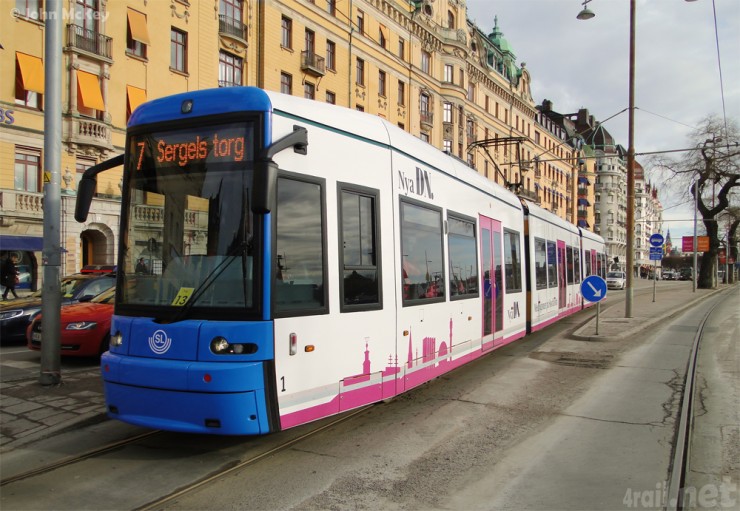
column 52, row 254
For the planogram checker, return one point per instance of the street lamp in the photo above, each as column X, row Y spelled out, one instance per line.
column 586, row 14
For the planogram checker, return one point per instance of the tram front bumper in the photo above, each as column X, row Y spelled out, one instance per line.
column 189, row 397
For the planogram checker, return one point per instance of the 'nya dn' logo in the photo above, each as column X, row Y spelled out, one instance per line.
column 421, row 186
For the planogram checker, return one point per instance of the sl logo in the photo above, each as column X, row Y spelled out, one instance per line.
column 159, row 342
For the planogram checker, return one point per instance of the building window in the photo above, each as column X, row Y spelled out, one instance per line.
column 447, row 146
column 90, row 101
column 423, row 270
column 29, row 8
column 402, row 48
column 360, row 268
column 331, row 97
column 87, row 14
column 81, row 165
column 401, row 93
column 470, row 129
column 134, row 97
column 426, row 60
column 331, row 7
column 331, row 55
column 286, row 40
column 178, row 50
column 29, row 80
column 471, row 92
column 300, row 286
column 309, row 90
column 359, row 108
column 27, row 169
column 286, row 83
column 424, row 104
column 137, row 35
column 449, row 73
column 381, row 37
column 229, row 70
column 447, row 112
column 450, row 19
column 463, row 265
column 424, row 136
column 361, row 22
column 360, row 72
column 381, row 83
column 310, row 42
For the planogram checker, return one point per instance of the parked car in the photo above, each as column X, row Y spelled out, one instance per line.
column 686, row 274
column 669, row 275
column 85, row 327
column 16, row 315
column 616, row 280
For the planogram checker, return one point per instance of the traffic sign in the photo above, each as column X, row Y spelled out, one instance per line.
column 656, row 240
column 656, row 253
column 593, row 288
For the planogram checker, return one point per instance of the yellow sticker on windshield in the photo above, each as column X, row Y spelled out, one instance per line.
column 182, row 296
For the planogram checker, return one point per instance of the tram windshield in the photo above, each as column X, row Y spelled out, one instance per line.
column 188, row 240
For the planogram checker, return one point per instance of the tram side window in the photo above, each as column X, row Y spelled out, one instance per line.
column 512, row 262
column 587, row 259
column 569, row 262
column 300, row 275
column 422, row 278
column 552, row 265
column 540, row 263
column 577, row 265
column 463, row 265
column 360, row 265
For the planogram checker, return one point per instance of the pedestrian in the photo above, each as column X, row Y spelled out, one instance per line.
column 10, row 275
column 141, row 267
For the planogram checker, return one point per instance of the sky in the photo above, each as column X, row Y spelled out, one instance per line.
column 585, row 64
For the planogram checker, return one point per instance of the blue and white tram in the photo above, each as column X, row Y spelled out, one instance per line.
column 302, row 259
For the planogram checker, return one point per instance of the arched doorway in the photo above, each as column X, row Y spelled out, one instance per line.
column 97, row 246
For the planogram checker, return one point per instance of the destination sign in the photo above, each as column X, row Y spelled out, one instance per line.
column 230, row 143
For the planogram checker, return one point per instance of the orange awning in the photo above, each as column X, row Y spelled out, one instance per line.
column 136, row 96
column 32, row 72
column 89, row 88
column 137, row 24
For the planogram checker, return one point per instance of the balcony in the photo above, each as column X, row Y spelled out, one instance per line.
column 582, row 213
column 86, row 131
column 427, row 119
column 583, row 191
column 312, row 63
column 79, row 38
column 231, row 27
column 17, row 203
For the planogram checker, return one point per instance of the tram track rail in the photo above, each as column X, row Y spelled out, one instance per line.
column 680, row 464
column 159, row 503
column 71, row 460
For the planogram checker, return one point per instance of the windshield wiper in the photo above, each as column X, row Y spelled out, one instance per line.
column 212, row 277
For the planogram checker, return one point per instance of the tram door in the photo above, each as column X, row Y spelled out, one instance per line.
column 562, row 278
column 491, row 280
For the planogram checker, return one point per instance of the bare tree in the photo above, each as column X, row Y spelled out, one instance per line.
column 712, row 171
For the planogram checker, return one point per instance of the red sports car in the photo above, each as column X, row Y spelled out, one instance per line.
column 85, row 327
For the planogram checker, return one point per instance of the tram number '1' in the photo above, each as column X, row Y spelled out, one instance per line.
column 282, row 380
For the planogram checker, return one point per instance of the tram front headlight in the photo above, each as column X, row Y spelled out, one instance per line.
column 221, row 346
column 116, row 340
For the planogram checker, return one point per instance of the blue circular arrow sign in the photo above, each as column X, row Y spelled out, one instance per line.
column 656, row 240
column 593, row 288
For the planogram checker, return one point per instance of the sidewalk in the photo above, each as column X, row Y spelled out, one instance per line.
column 30, row 411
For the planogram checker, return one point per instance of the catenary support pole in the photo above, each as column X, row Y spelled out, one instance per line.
column 50, row 373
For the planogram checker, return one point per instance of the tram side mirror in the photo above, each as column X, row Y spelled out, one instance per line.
column 264, row 188
column 86, row 187
column 85, row 192
column 264, row 191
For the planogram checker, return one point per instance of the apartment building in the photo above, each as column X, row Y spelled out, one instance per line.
column 421, row 65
